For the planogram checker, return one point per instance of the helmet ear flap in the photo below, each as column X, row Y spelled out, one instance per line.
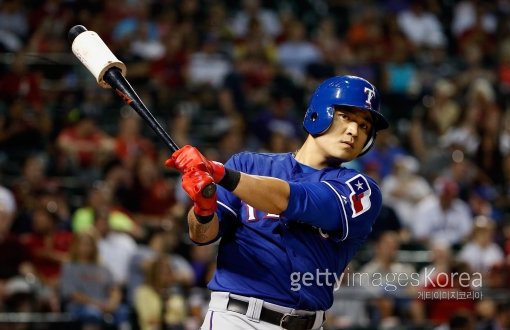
column 318, row 122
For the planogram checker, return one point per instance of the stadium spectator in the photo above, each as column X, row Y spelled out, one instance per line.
column 33, row 180
column 277, row 117
column 437, row 74
column 421, row 26
column 30, row 186
column 85, row 146
column 404, row 188
column 13, row 254
column 14, row 25
column 156, row 194
column 99, row 197
column 334, row 50
column 296, row 52
column 24, row 130
column 386, row 149
column 156, row 304
column 137, row 35
column 481, row 253
column 130, row 143
column 442, row 216
column 388, row 219
column 115, row 248
column 391, row 300
column 350, row 308
column 47, row 245
column 400, row 79
column 465, row 15
column 209, row 64
column 472, row 67
column 88, row 289
column 170, row 68
column 21, row 81
column 441, row 258
column 252, row 9
column 203, row 263
column 160, row 244
column 424, row 139
column 440, row 298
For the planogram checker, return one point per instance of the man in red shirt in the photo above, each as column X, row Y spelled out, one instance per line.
column 48, row 247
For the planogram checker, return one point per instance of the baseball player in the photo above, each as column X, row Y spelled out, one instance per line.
column 289, row 223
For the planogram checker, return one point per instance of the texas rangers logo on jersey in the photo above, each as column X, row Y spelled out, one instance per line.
column 360, row 195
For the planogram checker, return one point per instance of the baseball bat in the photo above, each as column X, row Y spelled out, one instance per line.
column 109, row 72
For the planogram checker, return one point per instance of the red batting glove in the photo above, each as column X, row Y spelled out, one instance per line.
column 193, row 182
column 188, row 157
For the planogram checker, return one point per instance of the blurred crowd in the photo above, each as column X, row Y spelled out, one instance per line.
column 92, row 224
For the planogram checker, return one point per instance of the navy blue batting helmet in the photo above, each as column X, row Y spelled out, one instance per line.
column 348, row 91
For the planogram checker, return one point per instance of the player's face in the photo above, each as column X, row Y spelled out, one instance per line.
column 347, row 135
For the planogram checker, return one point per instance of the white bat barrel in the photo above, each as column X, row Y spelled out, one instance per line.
column 90, row 49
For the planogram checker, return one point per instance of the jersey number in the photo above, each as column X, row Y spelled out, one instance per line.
column 255, row 215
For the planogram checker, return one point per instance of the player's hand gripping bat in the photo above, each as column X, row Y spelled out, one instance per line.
column 109, row 72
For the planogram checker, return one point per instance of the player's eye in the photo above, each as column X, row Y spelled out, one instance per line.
column 364, row 126
column 343, row 115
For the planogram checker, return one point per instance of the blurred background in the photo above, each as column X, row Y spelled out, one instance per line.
column 92, row 225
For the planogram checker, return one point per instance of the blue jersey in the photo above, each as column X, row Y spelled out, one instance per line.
column 280, row 258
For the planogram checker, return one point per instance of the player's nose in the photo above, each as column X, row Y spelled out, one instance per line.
column 352, row 128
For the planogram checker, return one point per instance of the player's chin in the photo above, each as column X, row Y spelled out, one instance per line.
column 348, row 150
column 345, row 155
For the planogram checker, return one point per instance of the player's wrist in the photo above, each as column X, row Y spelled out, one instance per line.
column 230, row 180
column 202, row 216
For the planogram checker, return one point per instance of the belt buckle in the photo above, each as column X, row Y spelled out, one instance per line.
column 293, row 316
column 283, row 319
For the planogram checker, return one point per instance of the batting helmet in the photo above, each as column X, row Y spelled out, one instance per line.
column 348, row 91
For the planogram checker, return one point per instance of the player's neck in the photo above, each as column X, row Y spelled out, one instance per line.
column 309, row 156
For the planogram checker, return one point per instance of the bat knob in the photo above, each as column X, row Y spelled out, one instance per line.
column 209, row 190
column 75, row 31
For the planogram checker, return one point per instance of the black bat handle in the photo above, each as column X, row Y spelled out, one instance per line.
column 115, row 78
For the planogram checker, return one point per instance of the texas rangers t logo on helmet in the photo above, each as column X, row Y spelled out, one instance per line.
column 370, row 94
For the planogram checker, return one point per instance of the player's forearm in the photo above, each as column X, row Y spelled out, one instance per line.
column 263, row 193
column 202, row 233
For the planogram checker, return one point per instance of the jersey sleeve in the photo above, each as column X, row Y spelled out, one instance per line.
column 345, row 207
